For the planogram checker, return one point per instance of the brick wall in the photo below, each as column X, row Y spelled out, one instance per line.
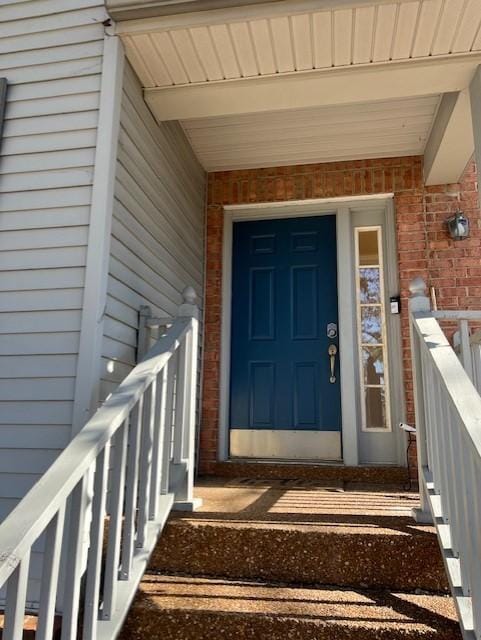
column 423, row 246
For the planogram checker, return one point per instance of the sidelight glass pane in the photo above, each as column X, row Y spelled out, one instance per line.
column 369, row 285
column 371, row 325
column 375, row 408
column 373, row 365
column 368, row 247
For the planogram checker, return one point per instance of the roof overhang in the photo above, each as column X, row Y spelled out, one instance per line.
column 210, row 60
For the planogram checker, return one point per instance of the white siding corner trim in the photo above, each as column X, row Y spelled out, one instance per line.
column 95, row 288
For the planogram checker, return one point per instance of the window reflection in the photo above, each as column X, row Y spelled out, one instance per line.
column 371, row 325
column 369, row 285
column 373, row 365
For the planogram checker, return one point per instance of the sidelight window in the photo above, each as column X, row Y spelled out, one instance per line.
column 372, row 339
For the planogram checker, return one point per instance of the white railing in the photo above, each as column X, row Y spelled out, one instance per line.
column 143, row 438
column 448, row 422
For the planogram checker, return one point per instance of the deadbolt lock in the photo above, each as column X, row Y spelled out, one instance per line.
column 332, row 330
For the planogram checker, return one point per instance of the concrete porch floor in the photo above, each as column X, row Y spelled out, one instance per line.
column 331, row 505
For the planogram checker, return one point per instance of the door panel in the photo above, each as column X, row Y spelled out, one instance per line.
column 306, row 395
column 284, row 293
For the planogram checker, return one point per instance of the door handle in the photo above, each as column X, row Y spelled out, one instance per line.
column 332, row 351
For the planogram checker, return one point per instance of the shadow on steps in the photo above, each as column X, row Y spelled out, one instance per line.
column 337, row 534
column 176, row 607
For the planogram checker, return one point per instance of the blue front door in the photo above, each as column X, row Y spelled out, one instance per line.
column 284, row 305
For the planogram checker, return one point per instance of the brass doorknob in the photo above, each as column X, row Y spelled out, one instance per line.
column 332, row 351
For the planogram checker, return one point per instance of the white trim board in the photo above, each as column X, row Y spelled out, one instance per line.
column 95, row 291
column 308, row 207
column 361, row 83
column 341, row 207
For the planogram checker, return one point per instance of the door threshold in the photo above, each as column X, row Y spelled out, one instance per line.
column 308, row 463
column 290, row 461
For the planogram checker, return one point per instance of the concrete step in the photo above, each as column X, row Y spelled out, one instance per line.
column 185, row 608
column 337, row 535
column 320, row 472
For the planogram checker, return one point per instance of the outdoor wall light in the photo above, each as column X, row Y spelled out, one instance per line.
column 458, row 226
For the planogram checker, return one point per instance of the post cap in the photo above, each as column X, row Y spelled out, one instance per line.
column 417, row 287
column 189, row 295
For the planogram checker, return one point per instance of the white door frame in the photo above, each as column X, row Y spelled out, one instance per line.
column 340, row 207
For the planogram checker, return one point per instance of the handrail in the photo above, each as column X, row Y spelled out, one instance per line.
column 147, row 478
column 448, row 423
column 456, row 314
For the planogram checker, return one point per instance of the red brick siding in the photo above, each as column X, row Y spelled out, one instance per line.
column 423, row 246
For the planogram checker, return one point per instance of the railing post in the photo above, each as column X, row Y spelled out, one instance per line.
column 419, row 303
column 182, row 471
column 465, row 346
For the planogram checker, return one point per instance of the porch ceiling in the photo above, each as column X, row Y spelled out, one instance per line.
column 286, row 37
column 322, row 134
column 293, row 81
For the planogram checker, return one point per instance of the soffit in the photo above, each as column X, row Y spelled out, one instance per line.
column 269, row 39
column 322, row 134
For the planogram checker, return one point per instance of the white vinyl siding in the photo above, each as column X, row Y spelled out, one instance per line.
column 157, row 242
column 51, row 56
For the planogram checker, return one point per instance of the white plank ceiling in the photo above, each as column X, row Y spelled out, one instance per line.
column 222, row 50
column 323, row 134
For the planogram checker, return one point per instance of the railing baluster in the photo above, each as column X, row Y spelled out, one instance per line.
column 450, row 462
column 145, row 469
column 74, row 552
column 426, row 378
column 158, row 443
column 94, row 561
column 115, row 525
column 436, row 432
column 16, row 597
column 167, row 440
column 465, row 347
column 131, row 491
column 50, row 574
column 439, row 426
